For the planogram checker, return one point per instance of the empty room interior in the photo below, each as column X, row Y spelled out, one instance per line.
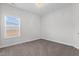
column 39, row 29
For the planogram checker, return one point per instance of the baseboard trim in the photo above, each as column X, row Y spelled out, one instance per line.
column 4, row 46
column 49, row 39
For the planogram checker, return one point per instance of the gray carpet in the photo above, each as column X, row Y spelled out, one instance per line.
column 39, row 47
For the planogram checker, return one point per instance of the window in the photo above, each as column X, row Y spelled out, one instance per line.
column 12, row 26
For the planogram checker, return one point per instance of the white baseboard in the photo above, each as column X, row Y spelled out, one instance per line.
column 3, row 46
column 76, row 47
column 50, row 39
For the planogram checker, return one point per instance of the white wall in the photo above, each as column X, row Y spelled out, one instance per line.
column 0, row 24
column 30, row 25
column 58, row 26
column 76, row 25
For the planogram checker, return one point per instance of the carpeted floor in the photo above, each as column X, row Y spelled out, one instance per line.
column 39, row 47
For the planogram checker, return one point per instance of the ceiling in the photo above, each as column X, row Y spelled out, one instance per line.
column 45, row 9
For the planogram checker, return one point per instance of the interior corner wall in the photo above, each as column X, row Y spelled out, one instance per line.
column 30, row 26
column 58, row 26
